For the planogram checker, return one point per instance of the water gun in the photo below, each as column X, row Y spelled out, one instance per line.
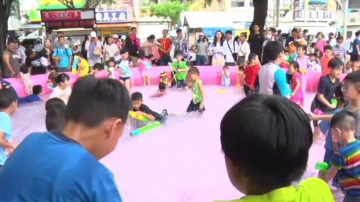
column 140, row 117
column 322, row 166
column 145, row 128
column 125, row 69
column 74, row 64
column 334, row 101
column 106, row 67
column 50, row 86
column 147, row 64
column 318, row 112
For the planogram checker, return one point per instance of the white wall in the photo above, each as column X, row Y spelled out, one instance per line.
column 146, row 29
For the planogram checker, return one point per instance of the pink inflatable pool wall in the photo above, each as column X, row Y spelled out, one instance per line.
column 208, row 74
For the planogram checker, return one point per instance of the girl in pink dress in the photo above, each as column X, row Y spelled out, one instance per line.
column 144, row 67
column 296, row 92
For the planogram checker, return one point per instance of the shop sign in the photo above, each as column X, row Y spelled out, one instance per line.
column 111, row 16
column 48, row 16
column 70, row 24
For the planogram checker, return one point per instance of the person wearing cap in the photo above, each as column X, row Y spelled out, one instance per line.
column 132, row 44
column 116, row 41
column 332, row 40
column 93, row 48
column 200, row 48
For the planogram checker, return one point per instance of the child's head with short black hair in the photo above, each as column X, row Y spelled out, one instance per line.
column 37, row 89
column 274, row 52
column 55, row 118
column 300, row 50
column 225, row 68
column 194, row 73
column 343, row 126
column 313, row 45
column 24, row 69
column 162, row 86
column 262, row 159
column 253, row 59
column 54, row 102
column 97, row 68
column 313, row 57
column 336, row 67
column 150, row 57
column 286, row 52
column 124, row 54
column 328, row 51
column 349, row 65
column 111, row 62
column 178, row 55
column 63, row 80
column 51, row 68
column 97, row 109
column 136, row 99
column 351, row 86
column 8, row 101
column 141, row 54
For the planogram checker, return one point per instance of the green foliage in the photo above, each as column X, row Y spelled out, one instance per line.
column 144, row 2
column 208, row 2
column 143, row 10
column 15, row 8
column 196, row 8
column 88, row 3
column 168, row 10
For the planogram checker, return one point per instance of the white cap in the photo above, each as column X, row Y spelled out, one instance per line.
column 92, row 34
column 115, row 36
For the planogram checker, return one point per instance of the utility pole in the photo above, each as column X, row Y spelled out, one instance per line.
column 277, row 13
column 345, row 18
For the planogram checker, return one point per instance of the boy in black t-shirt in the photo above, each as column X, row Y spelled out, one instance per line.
column 326, row 90
column 144, row 110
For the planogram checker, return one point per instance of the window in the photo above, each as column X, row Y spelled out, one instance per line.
column 237, row 3
column 352, row 20
column 251, row 3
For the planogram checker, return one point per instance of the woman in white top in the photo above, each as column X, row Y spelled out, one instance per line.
column 110, row 49
column 244, row 50
column 218, row 50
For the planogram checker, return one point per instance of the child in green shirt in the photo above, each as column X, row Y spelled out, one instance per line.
column 181, row 68
column 197, row 90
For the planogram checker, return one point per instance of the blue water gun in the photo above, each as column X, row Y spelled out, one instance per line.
column 125, row 69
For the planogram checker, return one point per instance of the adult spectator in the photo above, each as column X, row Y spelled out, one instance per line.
column 289, row 44
column 356, row 50
column 20, row 50
column 320, row 42
column 256, row 40
column 132, row 44
column 83, row 50
column 273, row 32
column 38, row 45
column 93, row 47
column 36, row 61
column 57, row 44
column 47, row 49
column 200, row 48
column 181, row 43
column 116, row 41
column 110, row 49
column 11, row 60
column 339, row 50
column 231, row 49
column 332, row 40
column 62, row 55
column 150, row 47
column 165, row 48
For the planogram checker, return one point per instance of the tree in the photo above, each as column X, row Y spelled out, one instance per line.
column 88, row 4
column 4, row 16
column 168, row 10
column 260, row 14
column 15, row 8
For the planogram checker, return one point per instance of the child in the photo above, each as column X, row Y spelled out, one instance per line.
column 35, row 97
column 346, row 161
column 95, row 120
column 55, row 117
column 26, row 80
column 326, row 90
column 225, row 76
column 52, row 76
column 161, row 91
column 348, row 67
column 293, row 54
column 261, row 161
column 312, row 48
column 330, row 145
column 8, row 105
column 97, row 71
column 296, row 91
column 63, row 89
column 144, row 110
column 287, row 55
column 318, row 54
column 82, row 64
column 239, row 74
column 144, row 65
column 111, row 68
column 54, row 102
column 124, row 68
column 250, row 74
column 314, row 63
column 325, row 60
column 197, row 90
column 164, row 79
column 181, row 69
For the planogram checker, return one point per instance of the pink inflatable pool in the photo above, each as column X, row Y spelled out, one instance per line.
column 208, row 74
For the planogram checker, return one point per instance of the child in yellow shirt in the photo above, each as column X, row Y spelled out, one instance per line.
column 82, row 64
column 262, row 162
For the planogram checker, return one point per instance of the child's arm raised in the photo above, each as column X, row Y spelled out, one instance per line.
column 5, row 143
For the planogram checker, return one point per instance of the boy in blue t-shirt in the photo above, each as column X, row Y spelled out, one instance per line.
column 8, row 105
column 63, row 165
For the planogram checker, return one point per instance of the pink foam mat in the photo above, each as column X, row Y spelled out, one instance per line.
column 208, row 74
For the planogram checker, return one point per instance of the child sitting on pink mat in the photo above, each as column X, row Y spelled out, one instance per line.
column 144, row 66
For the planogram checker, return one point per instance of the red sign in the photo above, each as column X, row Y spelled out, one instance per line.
column 48, row 16
column 71, row 24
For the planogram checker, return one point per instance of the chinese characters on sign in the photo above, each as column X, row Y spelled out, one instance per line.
column 111, row 16
column 70, row 24
column 60, row 15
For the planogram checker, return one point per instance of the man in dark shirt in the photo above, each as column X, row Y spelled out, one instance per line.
column 132, row 44
column 326, row 90
column 256, row 40
column 36, row 61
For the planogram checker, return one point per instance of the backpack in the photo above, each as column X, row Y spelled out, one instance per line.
column 66, row 50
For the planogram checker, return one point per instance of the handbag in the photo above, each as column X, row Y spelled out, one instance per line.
column 97, row 50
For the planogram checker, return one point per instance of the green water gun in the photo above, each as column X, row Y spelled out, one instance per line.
column 322, row 166
column 334, row 101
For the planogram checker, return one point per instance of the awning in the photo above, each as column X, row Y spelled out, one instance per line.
column 204, row 19
column 212, row 31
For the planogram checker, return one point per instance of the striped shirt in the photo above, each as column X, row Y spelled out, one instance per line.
column 347, row 161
